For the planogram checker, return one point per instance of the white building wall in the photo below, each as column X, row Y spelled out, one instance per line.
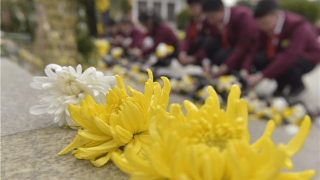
column 179, row 5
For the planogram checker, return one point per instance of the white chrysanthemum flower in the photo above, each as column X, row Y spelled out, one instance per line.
column 66, row 85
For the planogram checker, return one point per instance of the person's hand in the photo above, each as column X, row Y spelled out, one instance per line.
column 222, row 69
column 137, row 53
column 131, row 51
column 118, row 39
column 183, row 57
column 185, row 60
column 207, row 71
column 191, row 60
column 244, row 73
column 253, row 80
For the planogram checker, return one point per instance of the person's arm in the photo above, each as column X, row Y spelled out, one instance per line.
column 169, row 37
column 174, row 39
column 249, row 34
column 200, row 54
column 150, row 50
column 137, row 37
column 318, row 29
column 248, row 60
column 185, row 44
column 286, row 59
column 156, row 42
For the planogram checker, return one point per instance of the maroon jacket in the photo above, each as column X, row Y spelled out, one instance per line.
column 318, row 30
column 136, row 36
column 190, row 40
column 297, row 38
column 114, row 37
column 162, row 33
column 242, row 32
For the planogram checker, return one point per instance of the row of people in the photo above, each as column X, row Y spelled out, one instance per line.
column 140, row 45
column 267, row 43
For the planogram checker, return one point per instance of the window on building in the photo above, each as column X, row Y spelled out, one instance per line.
column 171, row 12
column 142, row 6
column 157, row 8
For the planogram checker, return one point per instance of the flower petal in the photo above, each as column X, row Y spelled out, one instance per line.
column 39, row 109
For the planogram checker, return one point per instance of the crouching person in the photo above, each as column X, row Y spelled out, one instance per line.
column 288, row 49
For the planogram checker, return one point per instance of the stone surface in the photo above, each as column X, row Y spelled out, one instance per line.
column 30, row 144
column 33, row 155
column 16, row 99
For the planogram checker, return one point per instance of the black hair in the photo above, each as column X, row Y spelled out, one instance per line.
column 125, row 21
column 145, row 16
column 194, row 1
column 212, row 5
column 111, row 22
column 265, row 7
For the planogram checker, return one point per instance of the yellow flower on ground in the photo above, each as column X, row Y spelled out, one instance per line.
column 163, row 50
column 209, row 143
column 130, row 3
column 100, row 28
column 186, row 84
column 181, row 35
column 102, row 46
column 117, row 52
column 124, row 120
column 225, row 83
column 102, row 5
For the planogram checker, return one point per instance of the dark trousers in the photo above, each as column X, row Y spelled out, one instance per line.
column 199, row 42
column 214, row 52
column 292, row 77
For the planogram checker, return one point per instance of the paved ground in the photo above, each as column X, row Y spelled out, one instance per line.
column 29, row 144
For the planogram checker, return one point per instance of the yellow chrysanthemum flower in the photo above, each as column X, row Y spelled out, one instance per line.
column 181, row 35
column 124, row 120
column 117, row 52
column 103, row 47
column 225, row 83
column 102, row 5
column 163, row 50
column 130, row 3
column 100, row 28
column 209, row 143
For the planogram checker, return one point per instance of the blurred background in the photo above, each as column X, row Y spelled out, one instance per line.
column 63, row 31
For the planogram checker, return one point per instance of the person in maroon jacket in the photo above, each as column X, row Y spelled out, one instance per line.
column 160, row 32
column 132, row 36
column 288, row 48
column 318, row 29
column 190, row 48
column 232, row 33
column 114, row 31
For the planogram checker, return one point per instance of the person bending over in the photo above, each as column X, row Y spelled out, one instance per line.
column 231, row 34
column 288, row 48
column 160, row 32
column 191, row 50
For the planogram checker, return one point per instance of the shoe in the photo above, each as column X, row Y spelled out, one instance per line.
column 277, row 93
column 295, row 91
